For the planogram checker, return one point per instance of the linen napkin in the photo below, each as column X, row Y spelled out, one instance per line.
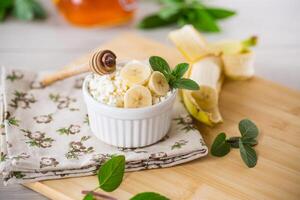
column 45, row 133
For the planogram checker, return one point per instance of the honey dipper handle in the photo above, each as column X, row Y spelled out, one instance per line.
column 64, row 73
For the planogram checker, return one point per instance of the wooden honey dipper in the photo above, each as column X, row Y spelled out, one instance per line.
column 101, row 62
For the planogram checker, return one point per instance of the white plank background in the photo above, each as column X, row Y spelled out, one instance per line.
column 53, row 43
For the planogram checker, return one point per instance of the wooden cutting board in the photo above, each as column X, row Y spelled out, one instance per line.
column 276, row 111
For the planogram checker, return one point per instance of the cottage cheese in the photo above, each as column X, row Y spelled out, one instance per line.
column 110, row 89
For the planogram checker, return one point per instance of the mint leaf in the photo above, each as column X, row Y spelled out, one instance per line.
column 23, row 10
column 38, row 10
column 169, row 12
column 6, row 4
column 250, row 141
column 220, row 13
column 171, row 2
column 2, row 14
column 28, row 10
column 220, row 147
column 234, row 142
column 185, row 83
column 248, row 129
column 205, row 22
column 180, row 70
column 110, row 174
column 88, row 196
column 159, row 64
column 154, row 21
column 184, row 12
column 248, row 154
column 149, row 196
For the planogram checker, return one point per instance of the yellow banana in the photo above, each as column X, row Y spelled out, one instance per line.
column 237, row 57
column 190, row 43
column 203, row 103
column 208, row 64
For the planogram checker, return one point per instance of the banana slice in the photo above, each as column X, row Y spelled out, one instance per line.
column 135, row 72
column 189, row 42
column 137, row 96
column 203, row 103
column 158, row 84
column 239, row 66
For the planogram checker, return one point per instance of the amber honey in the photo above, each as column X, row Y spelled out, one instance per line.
column 96, row 12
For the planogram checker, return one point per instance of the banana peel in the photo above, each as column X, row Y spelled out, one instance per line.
column 190, row 43
column 238, row 59
column 205, row 117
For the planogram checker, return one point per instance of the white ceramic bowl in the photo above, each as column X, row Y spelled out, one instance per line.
column 124, row 127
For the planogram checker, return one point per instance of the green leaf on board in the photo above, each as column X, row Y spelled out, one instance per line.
column 250, row 141
column 234, row 142
column 149, row 196
column 110, row 174
column 88, row 196
column 248, row 154
column 248, row 129
column 220, row 147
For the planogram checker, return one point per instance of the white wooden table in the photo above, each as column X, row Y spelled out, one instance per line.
column 53, row 43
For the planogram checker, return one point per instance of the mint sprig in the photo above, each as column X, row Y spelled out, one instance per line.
column 110, row 176
column 175, row 76
column 249, row 132
column 22, row 9
column 181, row 12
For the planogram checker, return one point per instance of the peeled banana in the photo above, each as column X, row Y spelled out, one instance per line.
column 208, row 64
column 203, row 103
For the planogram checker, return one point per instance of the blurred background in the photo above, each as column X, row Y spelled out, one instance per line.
column 53, row 42
column 57, row 40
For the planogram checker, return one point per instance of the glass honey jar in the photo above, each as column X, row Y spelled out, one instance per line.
column 97, row 12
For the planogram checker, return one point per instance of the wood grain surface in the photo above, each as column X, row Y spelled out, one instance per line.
column 276, row 111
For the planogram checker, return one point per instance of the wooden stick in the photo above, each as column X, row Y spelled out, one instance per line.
column 101, row 62
column 64, row 73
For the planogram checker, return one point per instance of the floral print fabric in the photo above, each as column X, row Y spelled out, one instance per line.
column 45, row 133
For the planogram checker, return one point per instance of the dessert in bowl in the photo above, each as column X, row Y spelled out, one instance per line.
column 131, row 106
